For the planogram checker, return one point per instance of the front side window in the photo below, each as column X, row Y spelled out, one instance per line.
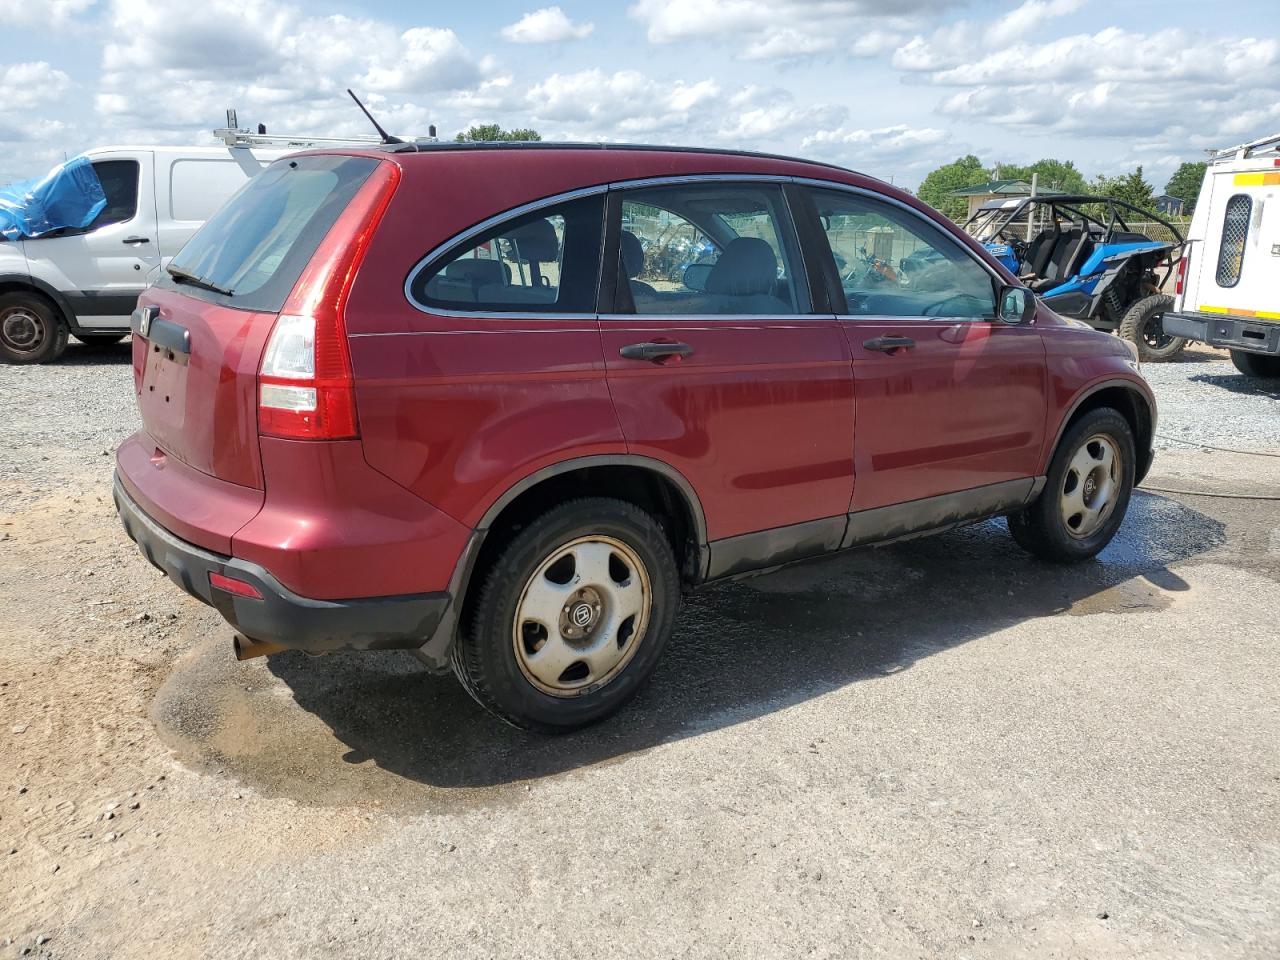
column 119, row 179
column 543, row 262
column 1235, row 230
column 892, row 263
column 707, row 249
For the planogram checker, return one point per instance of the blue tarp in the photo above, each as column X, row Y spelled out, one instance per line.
column 69, row 195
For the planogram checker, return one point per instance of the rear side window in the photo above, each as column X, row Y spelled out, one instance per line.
column 1235, row 230
column 892, row 263
column 707, row 249
column 197, row 188
column 258, row 244
column 546, row 261
column 119, row 180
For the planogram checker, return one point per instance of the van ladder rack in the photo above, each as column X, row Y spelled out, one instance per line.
column 233, row 136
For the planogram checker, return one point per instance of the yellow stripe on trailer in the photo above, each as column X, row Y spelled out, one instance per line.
column 1238, row 312
column 1257, row 179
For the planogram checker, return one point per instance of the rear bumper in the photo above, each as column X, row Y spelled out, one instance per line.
column 282, row 617
column 1231, row 333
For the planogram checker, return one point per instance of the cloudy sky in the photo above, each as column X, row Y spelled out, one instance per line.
column 890, row 87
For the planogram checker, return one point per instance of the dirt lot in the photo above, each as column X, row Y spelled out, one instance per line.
column 939, row 749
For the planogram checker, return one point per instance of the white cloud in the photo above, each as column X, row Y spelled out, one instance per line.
column 27, row 84
column 17, row 13
column 548, row 25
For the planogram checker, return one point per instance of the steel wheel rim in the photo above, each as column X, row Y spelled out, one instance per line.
column 21, row 330
column 1090, row 486
column 581, row 616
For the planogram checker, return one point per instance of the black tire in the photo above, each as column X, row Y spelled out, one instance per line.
column 1142, row 326
column 1042, row 529
column 485, row 657
column 100, row 339
column 1260, row 365
column 31, row 329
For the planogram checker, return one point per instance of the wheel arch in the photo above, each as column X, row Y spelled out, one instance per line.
column 1124, row 397
column 650, row 484
column 26, row 283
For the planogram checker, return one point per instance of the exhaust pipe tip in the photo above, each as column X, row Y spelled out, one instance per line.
column 247, row 648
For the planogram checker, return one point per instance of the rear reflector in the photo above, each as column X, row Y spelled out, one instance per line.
column 241, row 589
column 1182, row 272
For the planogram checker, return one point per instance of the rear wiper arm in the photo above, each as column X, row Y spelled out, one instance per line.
column 186, row 276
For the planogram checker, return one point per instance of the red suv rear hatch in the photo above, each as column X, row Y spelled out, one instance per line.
column 219, row 301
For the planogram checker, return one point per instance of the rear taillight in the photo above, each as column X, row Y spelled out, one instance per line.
column 306, row 388
column 1182, row 271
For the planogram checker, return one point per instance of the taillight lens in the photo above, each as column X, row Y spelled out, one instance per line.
column 306, row 388
column 1182, row 272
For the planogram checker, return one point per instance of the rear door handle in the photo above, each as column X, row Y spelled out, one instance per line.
column 889, row 344
column 654, row 351
column 136, row 240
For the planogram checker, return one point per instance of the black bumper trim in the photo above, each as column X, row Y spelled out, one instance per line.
column 282, row 616
column 1223, row 330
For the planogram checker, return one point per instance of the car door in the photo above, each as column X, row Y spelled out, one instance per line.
column 718, row 367
column 947, row 398
column 102, row 268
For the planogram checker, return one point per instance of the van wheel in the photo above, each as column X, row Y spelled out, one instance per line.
column 1256, row 364
column 572, row 617
column 100, row 339
column 1086, row 493
column 1143, row 324
column 31, row 329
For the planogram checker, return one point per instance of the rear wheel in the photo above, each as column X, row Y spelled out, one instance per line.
column 1086, row 493
column 31, row 329
column 1258, row 365
column 100, row 339
column 1143, row 324
column 572, row 617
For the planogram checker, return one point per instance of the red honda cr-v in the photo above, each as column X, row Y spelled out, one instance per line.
column 501, row 404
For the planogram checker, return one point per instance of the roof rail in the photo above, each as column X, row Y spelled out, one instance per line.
column 1244, row 151
column 234, row 136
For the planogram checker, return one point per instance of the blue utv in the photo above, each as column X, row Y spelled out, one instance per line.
column 1096, row 259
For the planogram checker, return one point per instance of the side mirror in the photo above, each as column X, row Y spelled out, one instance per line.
column 696, row 274
column 1017, row 305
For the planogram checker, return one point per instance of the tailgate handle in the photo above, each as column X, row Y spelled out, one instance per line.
column 146, row 322
column 888, row 344
column 136, row 240
column 654, row 351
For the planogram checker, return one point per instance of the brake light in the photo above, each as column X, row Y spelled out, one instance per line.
column 306, row 388
column 1182, row 272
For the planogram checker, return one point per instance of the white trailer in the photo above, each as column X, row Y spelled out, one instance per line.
column 1228, row 288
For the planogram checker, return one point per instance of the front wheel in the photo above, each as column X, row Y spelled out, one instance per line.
column 1143, row 324
column 31, row 330
column 1086, row 493
column 572, row 617
column 1259, row 365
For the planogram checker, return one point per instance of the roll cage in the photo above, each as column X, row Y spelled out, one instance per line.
column 1101, row 214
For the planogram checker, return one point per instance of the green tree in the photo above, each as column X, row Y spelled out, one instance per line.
column 937, row 187
column 1130, row 187
column 1060, row 175
column 1185, row 184
column 491, row 131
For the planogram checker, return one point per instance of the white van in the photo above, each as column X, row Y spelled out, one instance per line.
column 1228, row 292
column 85, row 283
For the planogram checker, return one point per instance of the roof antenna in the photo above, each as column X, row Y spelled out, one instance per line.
column 386, row 137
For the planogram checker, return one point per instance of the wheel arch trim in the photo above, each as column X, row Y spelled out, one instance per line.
column 1144, row 456
column 46, row 289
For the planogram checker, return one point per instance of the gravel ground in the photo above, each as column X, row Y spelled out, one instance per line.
column 937, row 749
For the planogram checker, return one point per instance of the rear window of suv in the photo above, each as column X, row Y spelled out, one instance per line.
column 257, row 245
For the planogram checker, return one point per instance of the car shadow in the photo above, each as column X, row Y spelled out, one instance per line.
column 96, row 355
column 1239, row 383
column 747, row 648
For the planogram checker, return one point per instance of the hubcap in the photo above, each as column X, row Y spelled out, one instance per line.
column 581, row 616
column 21, row 329
column 1091, row 486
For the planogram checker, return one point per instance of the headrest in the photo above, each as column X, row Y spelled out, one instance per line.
column 746, row 268
column 632, row 254
column 535, row 241
column 483, row 272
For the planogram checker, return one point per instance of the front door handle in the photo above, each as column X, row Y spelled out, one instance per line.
column 889, row 344
column 136, row 240
column 654, row 351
